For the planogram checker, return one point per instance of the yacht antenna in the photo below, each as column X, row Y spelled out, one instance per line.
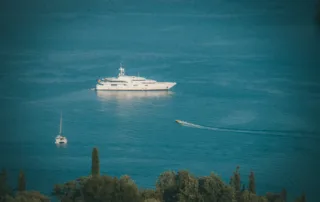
column 121, row 69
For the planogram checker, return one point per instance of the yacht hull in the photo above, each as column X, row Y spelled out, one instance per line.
column 163, row 86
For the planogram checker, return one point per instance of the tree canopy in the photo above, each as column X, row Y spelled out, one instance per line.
column 318, row 13
column 171, row 186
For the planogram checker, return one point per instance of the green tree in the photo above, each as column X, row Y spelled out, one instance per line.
column 170, row 187
column 28, row 196
column 236, row 180
column 274, row 197
column 236, row 183
column 100, row 188
column 151, row 200
column 187, row 187
column 247, row 196
column 5, row 189
column 302, row 198
column 318, row 13
column 70, row 191
column 227, row 194
column 149, row 194
column 21, row 181
column 166, row 186
column 129, row 191
column 95, row 165
column 252, row 183
column 213, row 189
column 283, row 194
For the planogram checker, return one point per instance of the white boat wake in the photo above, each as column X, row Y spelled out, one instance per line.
column 295, row 134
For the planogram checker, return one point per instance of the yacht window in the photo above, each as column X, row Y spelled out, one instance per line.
column 113, row 84
column 117, row 81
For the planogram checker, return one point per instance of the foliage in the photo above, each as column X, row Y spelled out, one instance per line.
column 252, row 183
column 149, row 194
column 70, row 191
column 236, row 179
column 27, row 196
column 318, row 13
column 283, row 194
column 212, row 188
column 5, row 189
column 170, row 186
column 21, row 182
column 95, row 165
column 302, row 198
column 274, row 197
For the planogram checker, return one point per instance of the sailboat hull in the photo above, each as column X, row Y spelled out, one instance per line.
column 61, row 142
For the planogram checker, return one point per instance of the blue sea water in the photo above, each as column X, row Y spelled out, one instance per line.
column 246, row 65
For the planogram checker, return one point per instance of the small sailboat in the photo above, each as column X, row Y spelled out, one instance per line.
column 61, row 139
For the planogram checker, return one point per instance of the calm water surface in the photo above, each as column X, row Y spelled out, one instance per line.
column 243, row 65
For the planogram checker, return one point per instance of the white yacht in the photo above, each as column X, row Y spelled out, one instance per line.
column 61, row 139
column 126, row 83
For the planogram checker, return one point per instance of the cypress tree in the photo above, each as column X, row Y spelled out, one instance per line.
column 237, row 182
column 95, row 165
column 303, row 197
column 21, row 182
column 284, row 194
column 252, row 183
column 318, row 13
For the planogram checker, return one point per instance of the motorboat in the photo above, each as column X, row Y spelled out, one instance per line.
column 179, row 121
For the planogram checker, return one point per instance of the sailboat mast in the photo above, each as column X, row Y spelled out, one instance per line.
column 60, row 124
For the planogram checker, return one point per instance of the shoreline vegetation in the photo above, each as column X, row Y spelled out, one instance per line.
column 318, row 13
column 171, row 186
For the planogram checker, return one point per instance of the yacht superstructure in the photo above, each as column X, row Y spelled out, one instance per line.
column 131, row 83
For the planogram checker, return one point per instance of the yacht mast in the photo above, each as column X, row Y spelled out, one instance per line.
column 121, row 69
